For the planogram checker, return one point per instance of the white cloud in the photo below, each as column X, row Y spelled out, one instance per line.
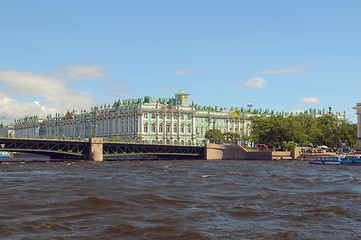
column 256, row 82
column 310, row 100
column 29, row 93
column 185, row 71
column 12, row 108
column 290, row 70
column 83, row 72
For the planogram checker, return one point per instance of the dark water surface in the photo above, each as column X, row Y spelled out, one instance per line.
column 179, row 200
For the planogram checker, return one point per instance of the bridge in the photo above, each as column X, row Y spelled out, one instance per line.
column 97, row 150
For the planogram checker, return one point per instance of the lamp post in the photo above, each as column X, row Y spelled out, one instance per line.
column 56, row 124
column 109, row 122
column 94, row 122
column 214, row 133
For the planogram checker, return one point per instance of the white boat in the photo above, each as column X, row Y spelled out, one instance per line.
column 4, row 154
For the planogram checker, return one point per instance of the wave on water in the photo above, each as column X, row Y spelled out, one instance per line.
column 179, row 200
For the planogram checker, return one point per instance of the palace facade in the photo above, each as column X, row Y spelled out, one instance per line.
column 165, row 120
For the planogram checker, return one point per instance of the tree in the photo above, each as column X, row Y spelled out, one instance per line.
column 348, row 133
column 231, row 137
column 329, row 131
column 302, row 129
column 307, row 130
column 115, row 139
column 215, row 136
column 273, row 130
column 288, row 145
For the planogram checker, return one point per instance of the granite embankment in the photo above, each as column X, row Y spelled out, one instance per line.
column 234, row 152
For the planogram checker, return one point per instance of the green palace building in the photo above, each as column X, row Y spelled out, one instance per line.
column 148, row 120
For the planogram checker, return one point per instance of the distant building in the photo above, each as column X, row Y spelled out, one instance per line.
column 358, row 113
column 149, row 120
column 7, row 130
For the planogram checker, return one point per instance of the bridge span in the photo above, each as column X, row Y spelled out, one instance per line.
column 97, row 150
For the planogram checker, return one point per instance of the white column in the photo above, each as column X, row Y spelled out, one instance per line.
column 140, row 123
column 358, row 125
column 190, row 118
column 358, row 113
column 157, row 126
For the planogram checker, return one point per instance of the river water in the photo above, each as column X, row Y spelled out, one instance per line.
column 179, row 200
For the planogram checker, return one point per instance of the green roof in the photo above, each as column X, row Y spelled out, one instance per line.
column 181, row 92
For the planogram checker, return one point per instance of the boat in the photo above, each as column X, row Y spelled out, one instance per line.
column 337, row 160
column 327, row 160
column 351, row 160
column 4, row 154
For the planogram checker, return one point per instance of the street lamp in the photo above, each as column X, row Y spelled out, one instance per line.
column 214, row 133
column 94, row 121
column 56, row 124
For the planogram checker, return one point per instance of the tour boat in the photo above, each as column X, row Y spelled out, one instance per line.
column 326, row 160
column 351, row 160
column 337, row 160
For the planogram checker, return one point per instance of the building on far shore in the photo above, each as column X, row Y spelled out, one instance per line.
column 358, row 113
column 148, row 120
column 7, row 130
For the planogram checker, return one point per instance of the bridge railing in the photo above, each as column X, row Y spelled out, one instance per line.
column 105, row 139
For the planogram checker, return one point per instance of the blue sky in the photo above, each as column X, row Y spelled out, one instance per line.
column 281, row 55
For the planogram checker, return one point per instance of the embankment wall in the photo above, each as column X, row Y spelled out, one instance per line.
column 233, row 152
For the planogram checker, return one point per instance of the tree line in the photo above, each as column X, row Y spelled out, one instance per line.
column 278, row 131
column 286, row 132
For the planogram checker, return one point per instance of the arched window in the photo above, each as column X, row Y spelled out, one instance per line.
column 161, row 128
column 189, row 142
column 189, row 129
column 153, row 141
column 182, row 128
column 175, row 142
column 145, row 128
column 201, row 131
column 153, row 128
column 175, row 128
column 168, row 128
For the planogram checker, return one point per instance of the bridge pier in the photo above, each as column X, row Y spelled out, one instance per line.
column 96, row 149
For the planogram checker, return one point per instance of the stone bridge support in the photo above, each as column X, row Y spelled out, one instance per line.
column 96, row 149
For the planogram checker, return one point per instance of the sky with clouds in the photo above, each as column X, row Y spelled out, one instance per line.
column 65, row 55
